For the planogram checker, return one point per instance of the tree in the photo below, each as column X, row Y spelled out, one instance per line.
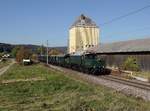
column 15, row 50
column 131, row 64
column 1, row 49
column 54, row 52
column 1, row 54
column 34, row 57
column 23, row 53
column 41, row 50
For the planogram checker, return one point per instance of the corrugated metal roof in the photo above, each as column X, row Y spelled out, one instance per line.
column 124, row 46
column 84, row 21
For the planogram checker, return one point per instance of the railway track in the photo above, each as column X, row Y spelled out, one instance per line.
column 127, row 87
column 145, row 86
column 133, row 83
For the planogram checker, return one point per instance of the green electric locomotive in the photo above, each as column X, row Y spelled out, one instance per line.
column 88, row 63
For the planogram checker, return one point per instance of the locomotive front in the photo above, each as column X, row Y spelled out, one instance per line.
column 94, row 64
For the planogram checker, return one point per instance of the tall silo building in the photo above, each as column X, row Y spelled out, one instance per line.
column 83, row 34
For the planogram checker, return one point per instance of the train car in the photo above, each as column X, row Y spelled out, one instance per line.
column 67, row 61
column 75, row 61
column 60, row 60
column 88, row 63
column 52, row 59
column 42, row 58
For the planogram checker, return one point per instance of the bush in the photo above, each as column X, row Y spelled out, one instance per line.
column 34, row 57
column 23, row 53
column 15, row 50
column 54, row 52
column 1, row 54
column 131, row 64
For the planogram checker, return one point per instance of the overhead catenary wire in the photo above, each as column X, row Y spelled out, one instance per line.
column 125, row 15
column 130, row 31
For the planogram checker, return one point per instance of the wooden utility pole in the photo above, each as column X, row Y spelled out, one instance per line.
column 47, row 52
column 41, row 49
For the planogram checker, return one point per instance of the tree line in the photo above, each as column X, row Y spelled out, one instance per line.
column 20, row 53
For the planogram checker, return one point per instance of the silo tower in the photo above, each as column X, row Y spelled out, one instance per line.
column 83, row 34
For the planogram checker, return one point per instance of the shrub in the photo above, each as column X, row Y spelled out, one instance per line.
column 34, row 57
column 131, row 64
column 54, row 52
column 1, row 54
column 23, row 53
column 15, row 50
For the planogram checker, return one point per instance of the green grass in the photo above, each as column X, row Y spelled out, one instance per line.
column 24, row 72
column 60, row 93
column 4, row 63
column 142, row 74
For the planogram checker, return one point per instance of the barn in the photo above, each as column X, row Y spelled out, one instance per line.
column 116, row 53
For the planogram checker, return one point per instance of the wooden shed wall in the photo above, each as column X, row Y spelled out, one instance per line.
column 115, row 60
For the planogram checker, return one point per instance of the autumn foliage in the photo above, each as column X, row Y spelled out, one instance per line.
column 54, row 52
column 23, row 53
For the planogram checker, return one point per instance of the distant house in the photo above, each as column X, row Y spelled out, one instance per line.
column 6, row 56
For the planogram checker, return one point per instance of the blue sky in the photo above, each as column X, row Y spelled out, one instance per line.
column 35, row 21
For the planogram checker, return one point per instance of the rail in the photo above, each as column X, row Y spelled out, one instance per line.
column 145, row 86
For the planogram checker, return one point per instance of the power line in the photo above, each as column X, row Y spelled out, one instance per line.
column 130, row 31
column 126, row 15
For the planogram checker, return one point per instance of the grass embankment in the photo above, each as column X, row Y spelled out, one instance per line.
column 60, row 93
column 5, row 63
column 142, row 74
column 145, row 75
column 26, row 72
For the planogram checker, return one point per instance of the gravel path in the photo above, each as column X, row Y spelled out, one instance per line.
column 128, row 90
column 21, row 80
column 4, row 69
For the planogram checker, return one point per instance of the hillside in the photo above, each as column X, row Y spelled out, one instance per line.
column 5, row 47
column 124, row 46
column 8, row 47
